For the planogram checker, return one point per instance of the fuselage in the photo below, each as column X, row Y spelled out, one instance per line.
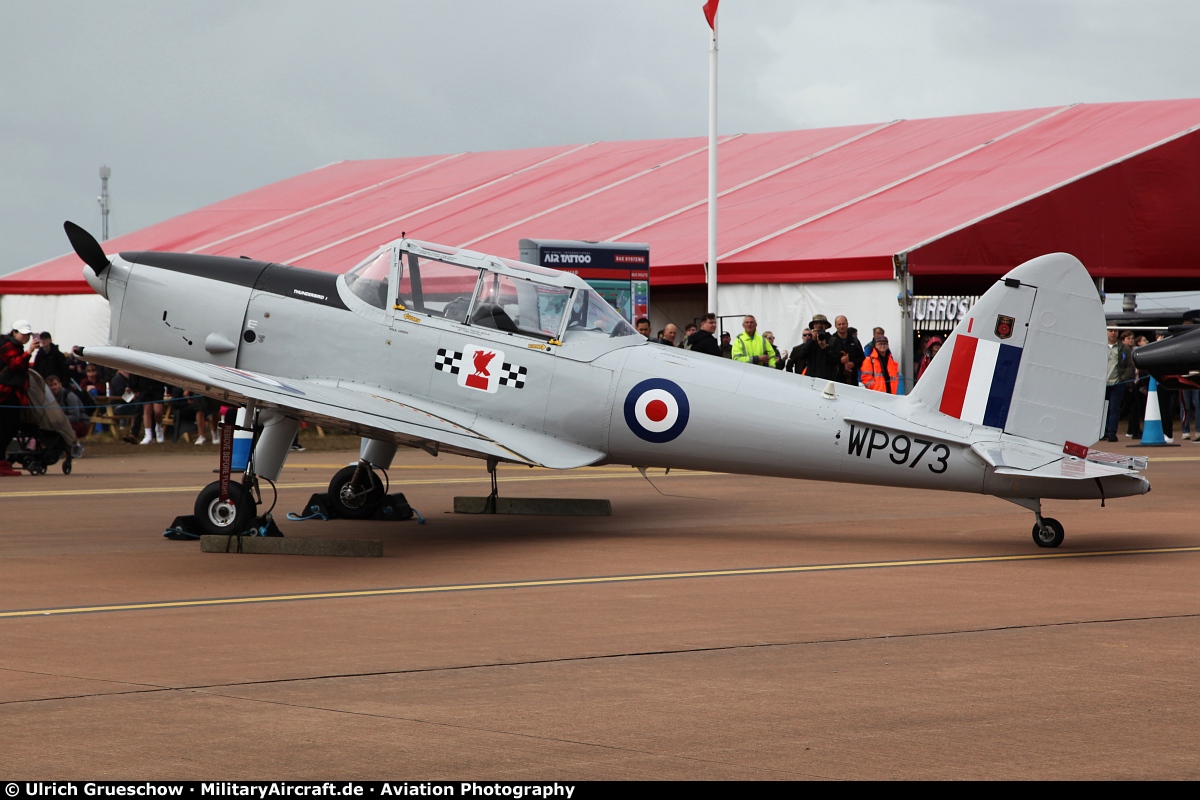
column 638, row 402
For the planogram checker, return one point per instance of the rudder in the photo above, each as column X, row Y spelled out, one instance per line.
column 1029, row 358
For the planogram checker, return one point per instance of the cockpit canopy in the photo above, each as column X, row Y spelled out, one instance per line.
column 473, row 289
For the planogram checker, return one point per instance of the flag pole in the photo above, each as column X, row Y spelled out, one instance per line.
column 712, row 166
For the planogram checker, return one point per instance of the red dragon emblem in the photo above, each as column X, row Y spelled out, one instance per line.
column 482, row 360
column 481, row 378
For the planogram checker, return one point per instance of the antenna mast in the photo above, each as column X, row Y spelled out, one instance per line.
column 105, row 172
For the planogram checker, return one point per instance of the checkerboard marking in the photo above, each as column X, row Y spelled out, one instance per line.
column 513, row 376
column 451, row 361
column 448, row 361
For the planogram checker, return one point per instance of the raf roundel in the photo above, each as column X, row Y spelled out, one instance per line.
column 656, row 410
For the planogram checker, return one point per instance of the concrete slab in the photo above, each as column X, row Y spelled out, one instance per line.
column 291, row 546
column 541, row 506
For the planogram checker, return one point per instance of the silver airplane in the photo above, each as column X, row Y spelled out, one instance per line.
column 454, row 351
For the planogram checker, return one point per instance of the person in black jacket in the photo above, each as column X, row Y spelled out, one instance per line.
column 813, row 357
column 703, row 341
column 847, row 350
column 49, row 360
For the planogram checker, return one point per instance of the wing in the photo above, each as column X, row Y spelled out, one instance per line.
column 364, row 410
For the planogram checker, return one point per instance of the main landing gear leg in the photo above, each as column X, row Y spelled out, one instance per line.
column 490, row 506
column 356, row 492
column 225, row 507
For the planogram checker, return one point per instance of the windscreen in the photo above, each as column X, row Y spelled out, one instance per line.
column 369, row 280
column 591, row 316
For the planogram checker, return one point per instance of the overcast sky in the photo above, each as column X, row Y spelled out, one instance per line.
column 193, row 102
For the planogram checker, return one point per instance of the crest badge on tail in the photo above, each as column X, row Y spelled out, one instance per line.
column 1004, row 326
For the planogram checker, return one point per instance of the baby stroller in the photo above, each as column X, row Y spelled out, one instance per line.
column 44, row 435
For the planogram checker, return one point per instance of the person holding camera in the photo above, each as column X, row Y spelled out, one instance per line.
column 814, row 357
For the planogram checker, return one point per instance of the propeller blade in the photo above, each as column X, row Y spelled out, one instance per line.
column 86, row 247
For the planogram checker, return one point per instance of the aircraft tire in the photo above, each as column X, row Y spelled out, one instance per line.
column 214, row 519
column 1048, row 533
column 347, row 505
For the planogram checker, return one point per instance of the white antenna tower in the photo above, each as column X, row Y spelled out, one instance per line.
column 105, row 172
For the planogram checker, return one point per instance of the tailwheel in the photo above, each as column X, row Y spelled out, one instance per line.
column 1047, row 532
column 229, row 518
column 356, row 500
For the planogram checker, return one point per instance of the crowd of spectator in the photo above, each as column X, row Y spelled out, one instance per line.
column 828, row 352
column 835, row 353
column 85, row 391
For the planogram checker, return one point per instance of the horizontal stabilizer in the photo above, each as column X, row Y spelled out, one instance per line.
column 1067, row 467
column 1133, row 463
column 1014, row 456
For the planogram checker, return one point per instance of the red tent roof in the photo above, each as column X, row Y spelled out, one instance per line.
column 1116, row 184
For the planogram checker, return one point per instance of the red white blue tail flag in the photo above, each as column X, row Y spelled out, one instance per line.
column 710, row 13
column 980, row 381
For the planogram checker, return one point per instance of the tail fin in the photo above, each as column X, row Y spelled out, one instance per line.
column 1029, row 358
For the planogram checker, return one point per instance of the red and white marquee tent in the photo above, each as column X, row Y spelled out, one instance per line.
column 833, row 220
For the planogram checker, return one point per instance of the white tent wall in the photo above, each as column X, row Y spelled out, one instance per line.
column 786, row 308
column 72, row 319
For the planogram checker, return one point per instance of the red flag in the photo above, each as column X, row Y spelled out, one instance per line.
column 710, row 13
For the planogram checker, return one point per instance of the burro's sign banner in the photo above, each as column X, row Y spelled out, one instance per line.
column 940, row 313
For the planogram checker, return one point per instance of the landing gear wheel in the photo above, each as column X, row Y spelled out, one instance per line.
column 1048, row 533
column 36, row 468
column 215, row 517
column 351, row 504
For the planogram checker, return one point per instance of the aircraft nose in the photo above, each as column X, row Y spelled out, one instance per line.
column 1179, row 354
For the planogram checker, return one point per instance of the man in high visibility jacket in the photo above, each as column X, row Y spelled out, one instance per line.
column 752, row 348
column 880, row 372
